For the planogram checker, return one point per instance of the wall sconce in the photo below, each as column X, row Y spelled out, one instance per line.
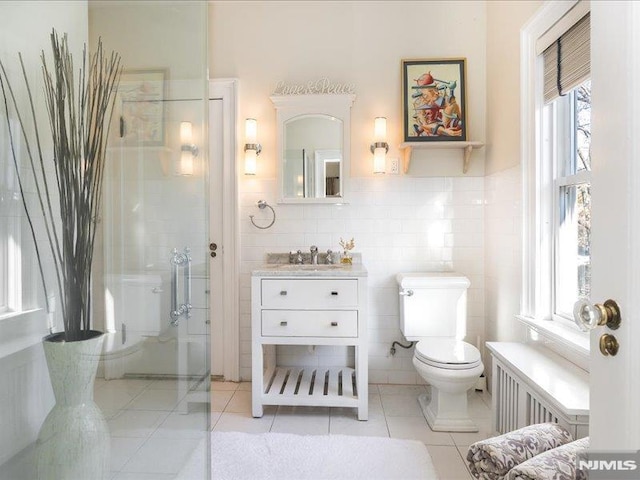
column 251, row 148
column 188, row 151
column 380, row 147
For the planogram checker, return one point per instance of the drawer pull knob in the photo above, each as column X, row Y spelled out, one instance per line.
column 283, row 324
column 283, row 292
column 334, row 324
column 334, row 293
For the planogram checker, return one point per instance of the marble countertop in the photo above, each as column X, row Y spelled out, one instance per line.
column 307, row 270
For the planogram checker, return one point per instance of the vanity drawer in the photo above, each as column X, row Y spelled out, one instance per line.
column 307, row 293
column 309, row 323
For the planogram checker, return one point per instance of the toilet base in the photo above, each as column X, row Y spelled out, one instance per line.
column 443, row 411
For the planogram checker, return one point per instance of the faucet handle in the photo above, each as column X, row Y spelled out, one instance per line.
column 329, row 257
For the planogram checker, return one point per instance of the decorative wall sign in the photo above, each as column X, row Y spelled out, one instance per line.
column 433, row 100
column 320, row 86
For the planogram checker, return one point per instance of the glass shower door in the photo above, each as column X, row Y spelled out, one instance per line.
column 154, row 384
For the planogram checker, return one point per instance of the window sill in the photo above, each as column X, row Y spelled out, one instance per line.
column 20, row 331
column 563, row 335
column 10, row 315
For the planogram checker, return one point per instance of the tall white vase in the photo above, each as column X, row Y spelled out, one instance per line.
column 73, row 443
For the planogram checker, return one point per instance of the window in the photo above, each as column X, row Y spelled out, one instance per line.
column 572, row 198
column 12, row 270
column 556, row 160
column 4, row 307
column 10, row 257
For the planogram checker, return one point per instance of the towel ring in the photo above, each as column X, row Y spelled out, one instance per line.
column 261, row 205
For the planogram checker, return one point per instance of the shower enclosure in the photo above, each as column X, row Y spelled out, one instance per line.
column 155, row 269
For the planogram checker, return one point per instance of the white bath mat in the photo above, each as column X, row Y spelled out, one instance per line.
column 283, row 456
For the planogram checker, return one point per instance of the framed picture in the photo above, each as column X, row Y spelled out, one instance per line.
column 434, row 100
column 142, row 106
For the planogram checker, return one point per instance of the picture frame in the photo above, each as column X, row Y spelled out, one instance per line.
column 142, row 95
column 434, row 102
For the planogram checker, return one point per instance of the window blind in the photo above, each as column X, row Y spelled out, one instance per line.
column 567, row 61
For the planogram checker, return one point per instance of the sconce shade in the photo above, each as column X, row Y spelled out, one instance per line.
column 251, row 130
column 186, row 132
column 251, row 147
column 379, row 160
column 380, row 129
column 250, row 157
column 186, row 163
column 188, row 151
column 380, row 147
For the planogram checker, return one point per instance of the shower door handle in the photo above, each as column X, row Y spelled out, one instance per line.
column 180, row 260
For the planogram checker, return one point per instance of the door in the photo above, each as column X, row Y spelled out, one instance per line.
column 223, row 230
column 615, row 380
column 216, row 248
column 155, row 228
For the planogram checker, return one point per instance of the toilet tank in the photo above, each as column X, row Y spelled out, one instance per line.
column 135, row 301
column 432, row 304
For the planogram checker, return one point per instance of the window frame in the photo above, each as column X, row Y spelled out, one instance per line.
column 12, row 273
column 538, row 201
column 11, row 264
column 562, row 120
column 4, row 269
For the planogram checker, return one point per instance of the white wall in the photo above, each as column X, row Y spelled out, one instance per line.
column 400, row 223
column 503, row 183
column 505, row 18
column 25, row 394
column 503, row 254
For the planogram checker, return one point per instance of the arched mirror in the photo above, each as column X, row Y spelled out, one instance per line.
column 313, row 147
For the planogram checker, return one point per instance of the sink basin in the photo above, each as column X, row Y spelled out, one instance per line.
column 307, row 267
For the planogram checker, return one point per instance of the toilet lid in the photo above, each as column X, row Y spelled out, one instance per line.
column 447, row 353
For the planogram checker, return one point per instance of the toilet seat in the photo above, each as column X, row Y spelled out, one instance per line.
column 448, row 354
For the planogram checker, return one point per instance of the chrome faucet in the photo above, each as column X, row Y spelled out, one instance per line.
column 329, row 257
column 299, row 259
column 314, row 255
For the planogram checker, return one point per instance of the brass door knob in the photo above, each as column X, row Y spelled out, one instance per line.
column 608, row 345
column 588, row 316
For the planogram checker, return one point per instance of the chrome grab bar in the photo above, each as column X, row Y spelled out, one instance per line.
column 180, row 260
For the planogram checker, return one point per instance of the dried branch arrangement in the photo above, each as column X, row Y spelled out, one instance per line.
column 79, row 113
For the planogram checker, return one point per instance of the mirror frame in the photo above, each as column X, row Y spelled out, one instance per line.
column 290, row 106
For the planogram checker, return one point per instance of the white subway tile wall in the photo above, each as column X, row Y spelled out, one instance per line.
column 503, row 265
column 400, row 224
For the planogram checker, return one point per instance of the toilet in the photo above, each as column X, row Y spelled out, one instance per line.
column 132, row 315
column 433, row 312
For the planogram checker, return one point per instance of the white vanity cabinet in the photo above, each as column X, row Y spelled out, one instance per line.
column 323, row 307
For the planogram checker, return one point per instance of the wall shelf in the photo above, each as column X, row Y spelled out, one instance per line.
column 467, row 148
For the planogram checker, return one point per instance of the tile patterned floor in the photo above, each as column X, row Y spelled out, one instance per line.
column 152, row 439
column 393, row 412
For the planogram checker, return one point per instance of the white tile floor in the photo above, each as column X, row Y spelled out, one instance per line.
column 393, row 412
column 151, row 439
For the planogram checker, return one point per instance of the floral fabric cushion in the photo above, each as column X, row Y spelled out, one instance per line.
column 492, row 459
column 556, row 464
